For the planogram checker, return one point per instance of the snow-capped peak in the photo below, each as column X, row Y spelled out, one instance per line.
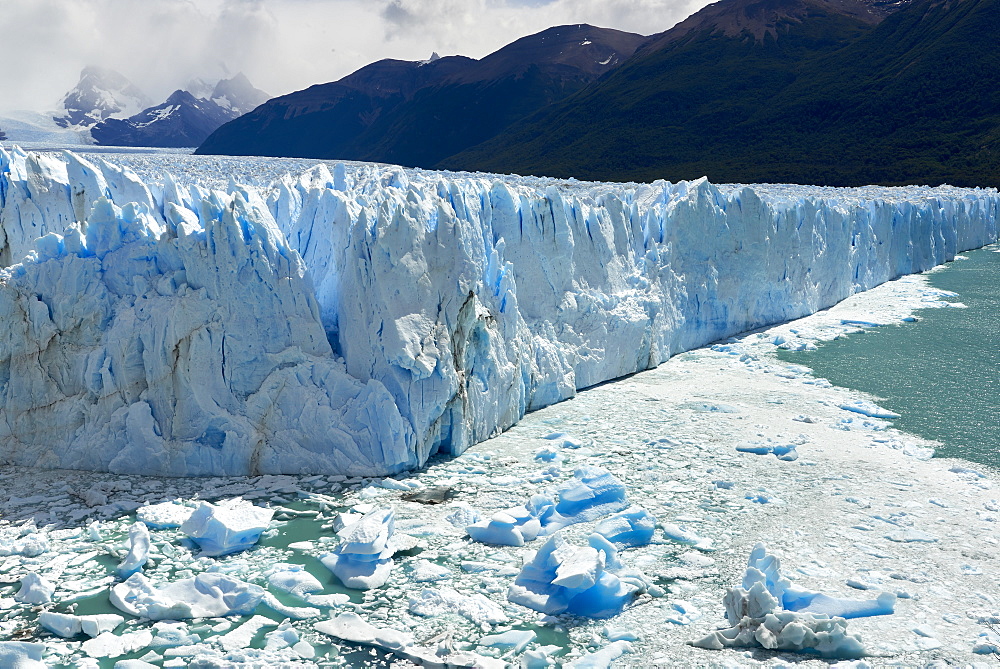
column 101, row 93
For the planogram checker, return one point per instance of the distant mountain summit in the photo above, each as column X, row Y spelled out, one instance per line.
column 184, row 120
column 100, row 94
column 419, row 112
column 237, row 95
column 761, row 18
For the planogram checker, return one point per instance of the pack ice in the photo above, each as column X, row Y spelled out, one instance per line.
column 360, row 321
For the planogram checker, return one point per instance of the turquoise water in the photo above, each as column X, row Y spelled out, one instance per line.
column 941, row 373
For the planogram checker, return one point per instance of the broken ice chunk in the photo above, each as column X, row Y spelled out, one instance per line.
column 593, row 492
column 283, row 637
column 632, row 527
column 228, row 527
column 21, row 654
column 69, row 626
column 815, row 602
column 108, row 644
column 172, row 634
column 35, row 590
column 350, row 627
column 515, row 640
column 165, row 515
column 462, row 515
column 138, row 552
column 207, row 595
column 512, row 527
column 601, row 659
column 439, row 601
column 869, row 409
column 423, row 571
column 293, row 579
column 244, row 634
column 682, row 535
column 363, row 559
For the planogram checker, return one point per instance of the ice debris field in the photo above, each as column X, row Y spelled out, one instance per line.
column 724, row 508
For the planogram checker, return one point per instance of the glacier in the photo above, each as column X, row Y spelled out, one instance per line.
column 359, row 320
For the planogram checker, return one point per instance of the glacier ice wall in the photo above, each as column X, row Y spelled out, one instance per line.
column 361, row 320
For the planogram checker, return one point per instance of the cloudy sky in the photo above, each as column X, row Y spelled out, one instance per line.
column 282, row 45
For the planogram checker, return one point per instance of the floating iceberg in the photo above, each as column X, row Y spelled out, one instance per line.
column 138, row 551
column 563, row 578
column 207, row 595
column 228, row 527
column 591, row 493
column 363, row 558
column 767, row 611
column 68, row 626
column 35, row 590
column 409, row 312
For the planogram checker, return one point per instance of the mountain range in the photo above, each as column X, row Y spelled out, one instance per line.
column 106, row 108
column 184, row 119
column 834, row 92
column 418, row 113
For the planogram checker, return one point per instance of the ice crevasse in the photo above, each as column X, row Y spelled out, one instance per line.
column 358, row 321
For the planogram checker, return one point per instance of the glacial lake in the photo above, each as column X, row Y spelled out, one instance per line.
column 942, row 372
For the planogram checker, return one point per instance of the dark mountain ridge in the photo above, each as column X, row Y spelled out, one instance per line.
column 416, row 113
column 819, row 95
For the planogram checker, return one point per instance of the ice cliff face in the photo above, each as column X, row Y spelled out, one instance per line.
column 358, row 322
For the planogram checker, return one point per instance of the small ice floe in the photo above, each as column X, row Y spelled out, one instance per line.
column 228, row 527
column 299, row 583
column 108, row 644
column 869, row 409
column 363, row 558
column 767, row 611
column 593, row 492
column 540, row 657
column 620, row 634
column 24, row 540
column 425, row 571
column 911, row 536
column 563, row 440
column 477, row 608
column 764, row 496
column 514, row 640
column 632, row 527
column 682, row 535
column 548, row 454
column 513, row 527
column 242, row 636
column 462, row 515
column 601, row 659
column 351, row 627
column 681, row 612
column 22, row 655
column 169, row 634
column 207, row 595
column 785, row 452
column 562, row 578
column 138, row 551
column 68, row 626
column 165, row 515
column 35, row 590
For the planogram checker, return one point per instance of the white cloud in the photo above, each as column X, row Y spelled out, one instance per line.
column 281, row 45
